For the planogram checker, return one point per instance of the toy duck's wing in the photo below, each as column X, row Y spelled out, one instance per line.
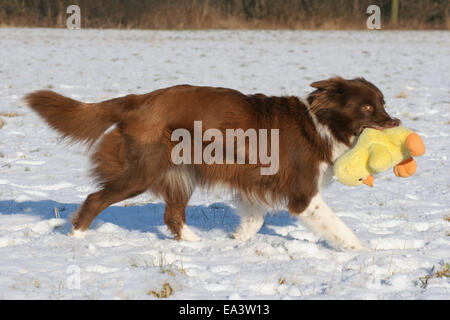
column 380, row 158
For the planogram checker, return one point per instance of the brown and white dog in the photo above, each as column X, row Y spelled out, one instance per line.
column 135, row 156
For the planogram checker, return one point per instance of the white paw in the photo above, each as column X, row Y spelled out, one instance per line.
column 354, row 245
column 248, row 228
column 77, row 234
column 358, row 247
column 240, row 236
column 187, row 234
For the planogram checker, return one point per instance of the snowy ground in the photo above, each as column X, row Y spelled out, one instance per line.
column 128, row 252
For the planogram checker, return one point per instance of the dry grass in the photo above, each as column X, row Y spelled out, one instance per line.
column 224, row 14
column 134, row 204
column 165, row 292
column 402, row 95
column 444, row 273
column 9, row 114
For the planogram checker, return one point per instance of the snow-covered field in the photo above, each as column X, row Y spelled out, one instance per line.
column 128, row 252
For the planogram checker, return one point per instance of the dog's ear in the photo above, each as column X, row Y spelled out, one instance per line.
column 335, row 85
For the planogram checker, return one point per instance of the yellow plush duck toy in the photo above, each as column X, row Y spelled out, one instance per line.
column 376, row 151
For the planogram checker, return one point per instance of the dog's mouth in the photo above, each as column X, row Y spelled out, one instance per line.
column 361, row 129
column 391, row 123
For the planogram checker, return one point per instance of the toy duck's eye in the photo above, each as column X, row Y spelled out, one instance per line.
column 360, row 179
column 367, row 108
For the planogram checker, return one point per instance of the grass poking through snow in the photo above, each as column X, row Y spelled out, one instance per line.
column 165, row 292
column 444, row 273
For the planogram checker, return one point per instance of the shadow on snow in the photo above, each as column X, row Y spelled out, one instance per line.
column 145, row 218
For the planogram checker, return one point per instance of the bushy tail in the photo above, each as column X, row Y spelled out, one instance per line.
column 76, row 120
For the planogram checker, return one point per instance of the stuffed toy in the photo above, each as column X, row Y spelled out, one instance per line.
column 376, row 151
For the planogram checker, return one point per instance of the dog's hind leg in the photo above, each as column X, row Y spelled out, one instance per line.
column 175, row 219
column 125, row 168
column 176, row 187
column 96, row 203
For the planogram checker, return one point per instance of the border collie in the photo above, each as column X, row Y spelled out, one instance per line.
column 135, row 156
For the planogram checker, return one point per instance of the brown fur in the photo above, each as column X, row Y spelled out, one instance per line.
column 135, row 156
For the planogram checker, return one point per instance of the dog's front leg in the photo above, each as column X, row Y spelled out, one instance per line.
column 252, row 218
column 324, row 222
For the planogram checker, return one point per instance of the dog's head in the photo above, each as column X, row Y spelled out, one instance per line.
column 350, row 104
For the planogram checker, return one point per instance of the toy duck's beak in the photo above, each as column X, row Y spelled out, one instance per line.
column 368, row 181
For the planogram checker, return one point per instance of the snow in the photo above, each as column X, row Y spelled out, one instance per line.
column 128, row 251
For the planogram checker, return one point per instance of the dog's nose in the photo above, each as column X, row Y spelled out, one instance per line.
column 393, row 122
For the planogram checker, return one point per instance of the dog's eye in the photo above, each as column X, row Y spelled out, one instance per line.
column 367, row 108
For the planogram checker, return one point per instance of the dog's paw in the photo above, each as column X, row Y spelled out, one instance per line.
column 241, row 236
column 77, row 234
column 238, row 237
column 355, row 247
column 187, row 234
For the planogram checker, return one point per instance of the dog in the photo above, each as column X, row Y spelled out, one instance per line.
column 134, row 156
